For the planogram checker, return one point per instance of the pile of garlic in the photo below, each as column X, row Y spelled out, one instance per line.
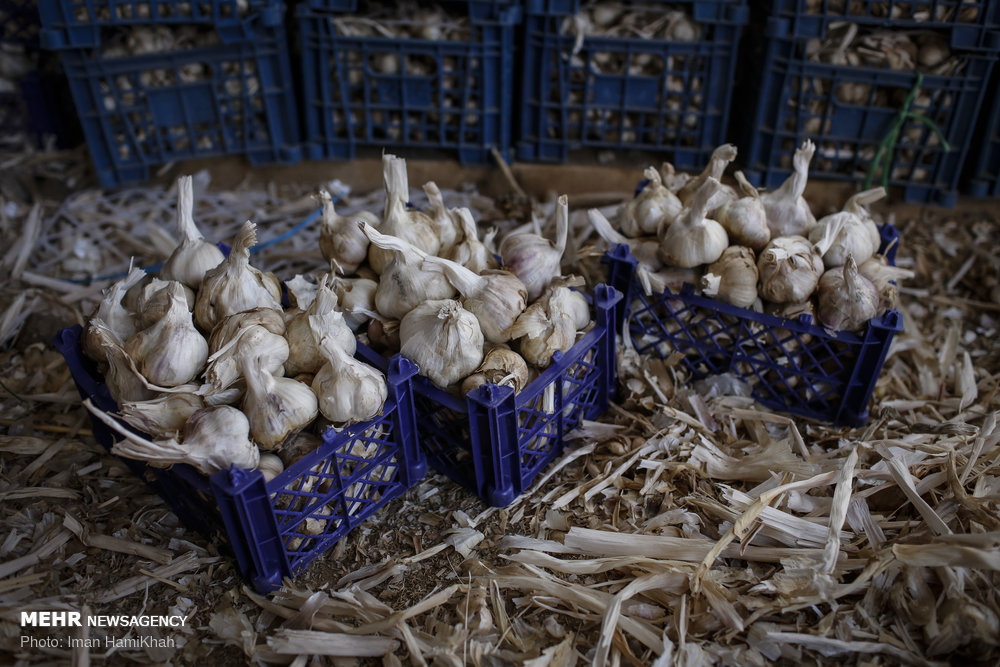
column 762, row 251
column 205, row 359
column 426, row 284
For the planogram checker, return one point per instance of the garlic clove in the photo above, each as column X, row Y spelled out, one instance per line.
column 501, row 366
column 885, row 279
column 172, row 351
column 540, row 333
column 533, row 258
column 340, row 241
column 195, row 256
column 356, row 298
column 443, row 339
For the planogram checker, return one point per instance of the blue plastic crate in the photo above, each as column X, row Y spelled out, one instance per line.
column 495, row 442
column 19, row 22
column 448, row 95
column 791, row 365
column 681, row 107
column 799, row 99
column 342, row 482
column 985, row 172
column 141, row 111
column 478, row 9
column 970, row 24
column 77, row 24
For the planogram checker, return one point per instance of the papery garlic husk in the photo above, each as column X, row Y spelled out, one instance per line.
column 122, row 379
column 343, row 245
column 270, row 350
column 501, row 366
column 787, row 210
column 846, row 300
column 745, row 219
column 154, row 301
column 789, row 269
column 227, row 329
column 303, row 336
column 404, row 283
column 495, row 297
column 443, row 339
column 355, row 298
column 134, row 295
column 533, row 258
column 348, row 390
column 275, row 406
column 721, row 157
column 652, row 208
column 470, row 252
column 213, row 439
column 383, row 334
column 161, row 417
column 733, row 277
column 172, row 351
column 194, row 257
column 672, row 279
column 790, row 311
column 858, row 235
column 114, row 315
column 540, row 334
column 645, row 249
column 885, row 278
column 411, row 226
column 302, row 290
column 447, row 229
column 234, row 285
column 270, row 465
column 692, row 239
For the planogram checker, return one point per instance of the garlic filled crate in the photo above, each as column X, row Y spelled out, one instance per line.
column 276, row 527
column 157, row 81
column 890, row 89
column 495, row 442
column 984, row 168
column 398, row 74
column 636, row 75
column 791, row 365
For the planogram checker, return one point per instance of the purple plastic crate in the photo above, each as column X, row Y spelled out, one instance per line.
column 338, row 485
column 495, row 442
column 791, row 365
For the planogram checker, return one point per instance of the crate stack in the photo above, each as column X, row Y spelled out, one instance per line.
column 984, row 168
column 895, row 112
column 161, row 80
column 394, row 75
column 663, row 84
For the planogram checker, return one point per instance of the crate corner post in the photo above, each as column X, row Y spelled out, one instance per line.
column 493, row 430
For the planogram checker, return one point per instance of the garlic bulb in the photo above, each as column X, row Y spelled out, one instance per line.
column 652, row 208
column 404, row 283
column 411, row 226
column 846, row 300
column 645, row 249
column 343, row 245
column 171, row 352
column 693, row 239
column 733, row 277
column 153, row 301
column 122, row 379
column 533, row 258
column 495, row 297
column 470, row 252
column 443, row 339
column 213, row 439
column 569, row 302
column 229, row 328
column 270, row 466
column 541, row 333
column 234, row 285
column 163, row 416
column 884, row 277
column 721, row 157
column 111, row 312
column 444, row 224
column 790, row 311
column 787, row 210
column 858, row 235
column 349, row 390
column 303, row 336
column 355, row 298
column 194, row 257
column 501, row 366
column 745, row 219
column 275, row 406
column 789, row 269
column 269, row 349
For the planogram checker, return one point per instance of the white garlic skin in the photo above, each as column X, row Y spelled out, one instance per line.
column 721, row 157
column 858, row 235
column 443, row 339
column 269, row 318
column 789, row 269
column 653, row 207
column 693, row 239
column 533, row 258
column 161, row 417
column 569, row 303
column 172, row 351
column 404, row 285
column 305, row 328
column 444, row 225
column 348, row 390
column 153, row 302
column 470, row 252
column 846, row 300
column 194, row 257
column 270, row 351
column 113, row 313
column 745, row 219
column 412, row 226
column 733, row 277
column 884, row 277
column 123, row 381
column 355, row 295
column 301, row 291
column 501, row 366
column 788, row 212
column 540, row 334
column 341, row 242
column 270, row 466
column 276, row 407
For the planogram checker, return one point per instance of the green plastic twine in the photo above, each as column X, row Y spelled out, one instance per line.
column 886, row 147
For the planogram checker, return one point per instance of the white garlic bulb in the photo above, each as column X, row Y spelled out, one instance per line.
column 270, row 465
column 124, row 382
column 787, row 210
column 341, row 242
column 411, row 226
column 495, row 297
column 163, row 416
column 885, row 278
column 540, row 333
column 733, row 277
column 470, row 252
column 275, row 406
column 213, row 439
column 230, row 328
column 561, row 299
column 270, row 350
column 444, row 224
column 172, row 351
column 653, row 207
column 846, row 300
column 858, row 235
column 721, row 157
column 153, row 301
column 501, row 366
column 355, row 298
column 113, row 314
column 234, row 286
column 693, row 239
column 533, row 258
column 645, row 249
column 789, row 269
column 348, row 390
column 745, row 219
column 443, row 339
column 194, row 257
column 303, row 336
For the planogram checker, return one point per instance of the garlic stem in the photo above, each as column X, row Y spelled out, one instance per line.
column 407, row 251
column 465, row 281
